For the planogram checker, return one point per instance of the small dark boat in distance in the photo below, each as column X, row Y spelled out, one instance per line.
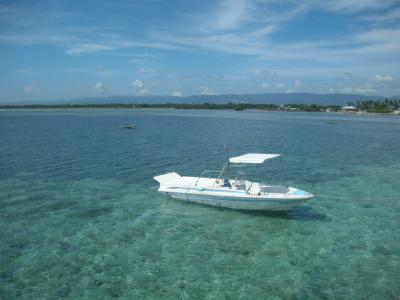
column 127, row 126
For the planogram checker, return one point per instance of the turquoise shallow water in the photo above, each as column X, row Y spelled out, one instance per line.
column 80, row 217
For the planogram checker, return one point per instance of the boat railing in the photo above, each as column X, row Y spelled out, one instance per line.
column 238, row 177
column 248, row 189
column 210, row 172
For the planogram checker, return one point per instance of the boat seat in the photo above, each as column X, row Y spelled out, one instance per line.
column 226, row 183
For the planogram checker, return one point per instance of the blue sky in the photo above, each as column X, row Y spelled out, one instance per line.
column 70, row 49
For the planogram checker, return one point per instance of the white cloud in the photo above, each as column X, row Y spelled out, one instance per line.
column 147, row 71
column 236, row 15
column 245, row 27
column 378, row 35
column 177, row 94
column 30, row 89
column 378, row 84
column 367, row 45
column 363, row 89
column 144, row 55
column 207, row 91
column 99, row 87
column 355, row 5
column 265, row 30
column 366, row 88
column 87, row 48
column 262, row 73
column 143, row 92
column 137, row 84
column 231, row 14
column 236, row 26
column 382, row 78
column 391, row 15
column 265, row 85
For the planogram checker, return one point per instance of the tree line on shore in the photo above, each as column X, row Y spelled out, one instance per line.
column 373, row 106
column 370, row 106
column 230, row 105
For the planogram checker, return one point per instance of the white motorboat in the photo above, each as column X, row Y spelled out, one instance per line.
column 227, row 190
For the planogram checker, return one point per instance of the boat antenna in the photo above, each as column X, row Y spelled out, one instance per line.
column 226, row 149
column 226, row 168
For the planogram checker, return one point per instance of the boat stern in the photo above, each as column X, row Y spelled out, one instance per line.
column 166, row 179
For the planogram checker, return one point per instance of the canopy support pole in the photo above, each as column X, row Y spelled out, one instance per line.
column 226, row 166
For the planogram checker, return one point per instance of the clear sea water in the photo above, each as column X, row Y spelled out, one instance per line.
column 80, row 216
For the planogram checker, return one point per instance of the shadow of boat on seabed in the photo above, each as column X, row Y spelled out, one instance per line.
column 302, row 213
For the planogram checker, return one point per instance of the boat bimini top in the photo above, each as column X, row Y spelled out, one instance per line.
column 252, row 158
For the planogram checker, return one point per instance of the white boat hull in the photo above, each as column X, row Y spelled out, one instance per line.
column 238, row 202
column 254, row 197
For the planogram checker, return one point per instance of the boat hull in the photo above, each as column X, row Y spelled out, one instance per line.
column 244, row 203
column 236, row 195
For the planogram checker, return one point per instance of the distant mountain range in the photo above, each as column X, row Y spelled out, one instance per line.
column 275, row 98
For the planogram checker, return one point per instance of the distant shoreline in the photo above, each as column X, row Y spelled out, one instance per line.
column 207, row 106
